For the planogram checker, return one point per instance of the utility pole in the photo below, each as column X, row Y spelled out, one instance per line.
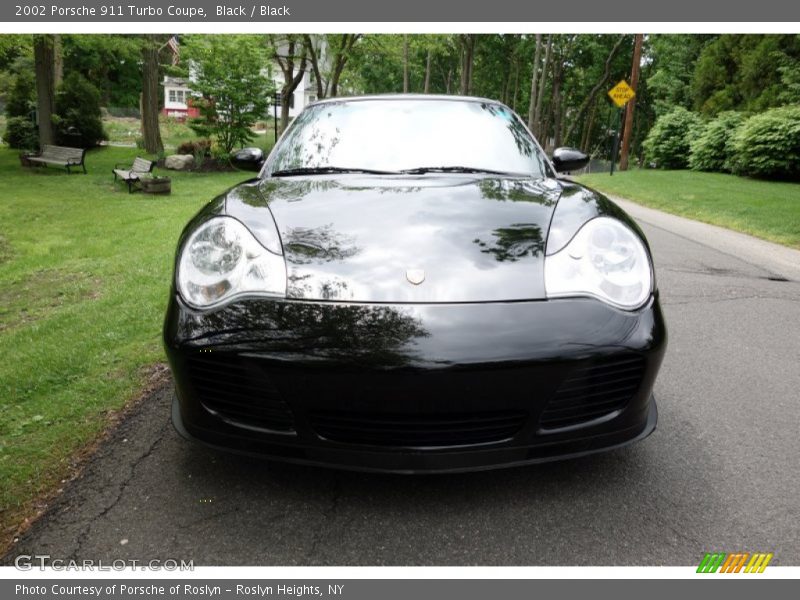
column 629, row 108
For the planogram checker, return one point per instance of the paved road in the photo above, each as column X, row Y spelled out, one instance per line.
column 721, row 472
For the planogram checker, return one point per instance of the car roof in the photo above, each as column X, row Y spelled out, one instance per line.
column 440, row 97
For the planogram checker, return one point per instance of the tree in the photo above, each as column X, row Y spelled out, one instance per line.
column 405, row 64
column 151, row 131
column 288, row 51
column 113, row 63
column 537, row 113
column 427, row 85
column 228, row 75
column 630, row 107
column 43, row 52
column 328, row 55
column 672, row 59
column 78, row 121
column 21, row 98
column 743, row 72
column 467, row 46
column 534, row 81
column 599, row 86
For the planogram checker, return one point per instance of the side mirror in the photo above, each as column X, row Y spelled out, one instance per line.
column 569, row 159
column 248, row 159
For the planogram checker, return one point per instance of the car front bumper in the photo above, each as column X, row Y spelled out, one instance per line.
column 415, row 388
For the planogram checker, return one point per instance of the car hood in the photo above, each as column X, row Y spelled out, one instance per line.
column 405, row 239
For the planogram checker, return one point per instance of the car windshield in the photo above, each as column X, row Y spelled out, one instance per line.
column 408, row 135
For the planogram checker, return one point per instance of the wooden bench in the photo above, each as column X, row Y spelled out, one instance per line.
column 131, row 176
column 61, row 156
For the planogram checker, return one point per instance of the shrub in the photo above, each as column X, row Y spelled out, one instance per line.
column 667, row 144
column 712, row 150
column 78, row 118
column 22, row 133
column 768, row 144
column 199, row 148
column 21, row 99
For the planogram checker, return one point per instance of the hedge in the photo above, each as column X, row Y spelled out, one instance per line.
column 768, row 144
column 713, row 149
column 667, row 144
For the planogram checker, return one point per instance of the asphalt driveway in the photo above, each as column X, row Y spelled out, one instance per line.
column 722, row 472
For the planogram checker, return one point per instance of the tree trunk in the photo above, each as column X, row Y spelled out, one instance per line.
column 427, row 87
column 467, row 57
column 537, row 115
column 626, row 138
column 405, row 64
column 558, row 69
column 537, row 55
column 516, row 85
column 284, row 53
column 285, row 108
column 587, row 133
column 58, row 61
column 312, row 55
column 45, row 94
column 151, row 132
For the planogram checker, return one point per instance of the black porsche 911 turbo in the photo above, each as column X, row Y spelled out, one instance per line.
column 408, row 286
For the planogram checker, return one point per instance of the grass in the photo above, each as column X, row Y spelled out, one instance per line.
column 84, row 278
column 765, row 209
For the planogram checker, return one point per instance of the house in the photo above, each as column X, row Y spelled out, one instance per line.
column 177, row 99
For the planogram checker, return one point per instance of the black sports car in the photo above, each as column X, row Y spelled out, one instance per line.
column 408, row 286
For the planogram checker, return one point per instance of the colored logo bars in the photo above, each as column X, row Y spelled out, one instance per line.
column 734, row 563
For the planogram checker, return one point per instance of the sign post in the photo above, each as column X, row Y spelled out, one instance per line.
column 620, row 95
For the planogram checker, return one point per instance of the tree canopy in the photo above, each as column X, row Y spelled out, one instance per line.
column 556, row 82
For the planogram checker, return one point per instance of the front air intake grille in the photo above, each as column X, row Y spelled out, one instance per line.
column 594, row 391
column 417, row 430
column 237, row 390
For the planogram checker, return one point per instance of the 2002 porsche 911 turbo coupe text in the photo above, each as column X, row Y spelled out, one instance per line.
column 407, row 286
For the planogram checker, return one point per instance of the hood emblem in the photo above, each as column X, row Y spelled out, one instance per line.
column 415, row 276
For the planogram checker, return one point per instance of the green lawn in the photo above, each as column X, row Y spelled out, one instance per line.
column 84, row 278
column 766, row 209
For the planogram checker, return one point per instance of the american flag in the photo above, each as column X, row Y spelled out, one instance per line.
column 176, row 49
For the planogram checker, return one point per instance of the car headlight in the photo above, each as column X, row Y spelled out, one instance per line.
column 221, row 259
column 605, row 260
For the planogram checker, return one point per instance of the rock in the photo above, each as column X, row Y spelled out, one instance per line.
column 179, row 162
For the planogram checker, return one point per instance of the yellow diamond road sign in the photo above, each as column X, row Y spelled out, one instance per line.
column 621, row 93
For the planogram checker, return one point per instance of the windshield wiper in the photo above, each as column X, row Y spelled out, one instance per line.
column 325, row 171
column 451, row 169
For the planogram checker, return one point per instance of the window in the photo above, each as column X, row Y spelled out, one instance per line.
column 177, row 95
column 312, row 98
column 423, row 133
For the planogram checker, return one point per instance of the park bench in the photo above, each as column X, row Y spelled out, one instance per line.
column 59, row 155
column 131, row 176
